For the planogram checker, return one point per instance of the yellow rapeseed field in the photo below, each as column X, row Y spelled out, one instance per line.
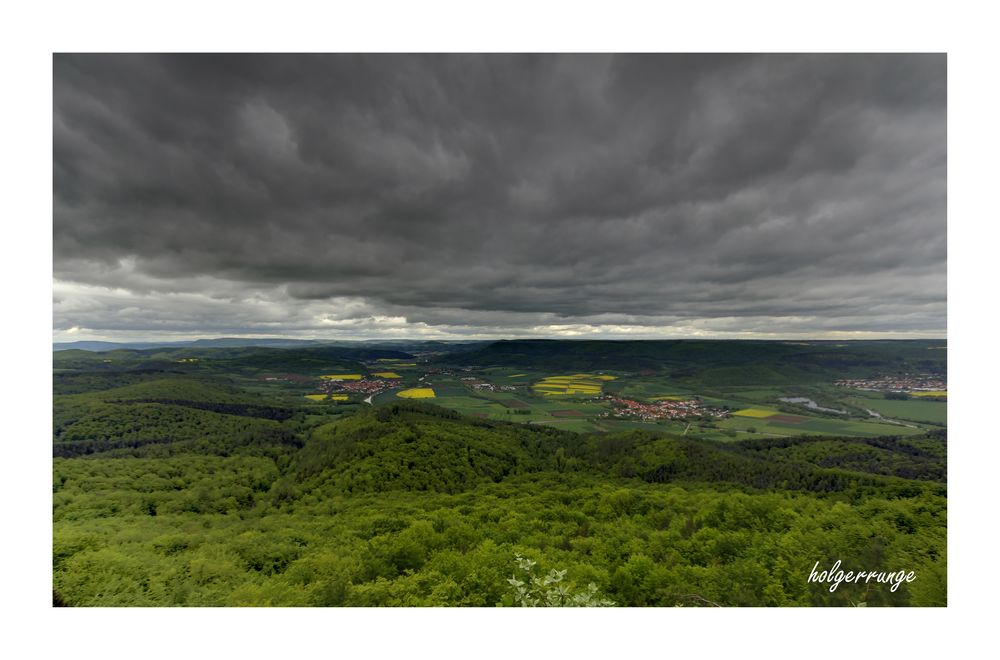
column 316, row 397
column 417, row 393
column 342, row 377
column 755, row 412
column 387, row 374
column 576, row 384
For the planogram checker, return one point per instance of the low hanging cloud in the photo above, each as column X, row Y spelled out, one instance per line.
column 486, row 196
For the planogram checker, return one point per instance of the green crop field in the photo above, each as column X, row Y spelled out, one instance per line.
column 817, row 426
column 756, row 395
column 913, row 410
column 648, row 389
column 524, row 406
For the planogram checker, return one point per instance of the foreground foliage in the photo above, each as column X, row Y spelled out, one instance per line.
column 533, row 590
column 411, row 504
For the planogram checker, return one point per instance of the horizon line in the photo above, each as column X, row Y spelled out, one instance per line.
column 507, row 338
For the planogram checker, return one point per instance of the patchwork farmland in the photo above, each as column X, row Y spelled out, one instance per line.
column 609, row 400
column 583, row 384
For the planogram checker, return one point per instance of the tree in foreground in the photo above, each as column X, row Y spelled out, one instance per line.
column 534, row 590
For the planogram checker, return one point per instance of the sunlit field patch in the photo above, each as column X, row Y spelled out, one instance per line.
column 606, row 377
column 338, row 397
column 937, row 393
column 342, row 377
column 758, row 413
column 316, row 397
column 387, row 374
column 584, row 384
column 417, row 393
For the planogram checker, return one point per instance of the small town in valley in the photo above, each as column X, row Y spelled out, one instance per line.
column 363, row 386
column 663, row 409
column 903, row 383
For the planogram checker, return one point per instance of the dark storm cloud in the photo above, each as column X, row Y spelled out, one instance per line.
column 500, row 194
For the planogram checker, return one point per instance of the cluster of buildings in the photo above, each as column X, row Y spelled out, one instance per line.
column 490, row 387
column 289, row 378
column 664, row 409
column 438, row 371
column 363, row 386
column 904, row 383
column 479, row 385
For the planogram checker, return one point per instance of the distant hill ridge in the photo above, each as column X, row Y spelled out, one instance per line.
column 717, row 361
column 224, row 342
column 263, row 342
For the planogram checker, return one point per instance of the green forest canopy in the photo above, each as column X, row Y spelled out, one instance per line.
column 414, row 505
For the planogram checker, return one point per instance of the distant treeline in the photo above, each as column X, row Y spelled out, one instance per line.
column 712, row 363
column 240, row 409
column 254, row 442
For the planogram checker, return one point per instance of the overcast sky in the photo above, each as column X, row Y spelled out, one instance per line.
column 357, row 197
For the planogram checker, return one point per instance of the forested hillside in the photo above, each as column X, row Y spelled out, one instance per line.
column 714, row 363
column 168, row 493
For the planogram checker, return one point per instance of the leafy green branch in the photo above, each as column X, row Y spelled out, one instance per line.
column 531, row 589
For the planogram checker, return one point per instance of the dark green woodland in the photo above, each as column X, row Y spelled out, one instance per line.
column 205, row 477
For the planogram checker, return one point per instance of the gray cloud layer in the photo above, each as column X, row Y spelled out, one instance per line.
column 499, row 195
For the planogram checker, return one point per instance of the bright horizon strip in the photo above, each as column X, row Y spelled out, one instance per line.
column 831, row 336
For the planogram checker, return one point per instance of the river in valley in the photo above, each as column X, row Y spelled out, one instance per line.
column 809, row 403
